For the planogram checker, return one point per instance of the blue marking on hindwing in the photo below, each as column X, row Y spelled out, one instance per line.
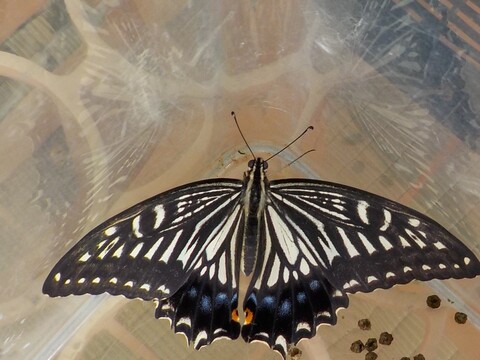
column 234, row 298
column 314, row 285
column 220, row 300
column 268, row 301
column 192, row 292
column 206, row 304
column 285, row 308
column 301, row 297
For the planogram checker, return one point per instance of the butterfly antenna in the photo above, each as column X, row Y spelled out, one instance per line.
column 243, row 137
column 291, row 143
column 298, row 158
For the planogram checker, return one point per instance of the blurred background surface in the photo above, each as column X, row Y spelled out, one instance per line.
column 105, row 103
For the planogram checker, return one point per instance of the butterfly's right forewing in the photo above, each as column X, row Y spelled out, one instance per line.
column 150, row 250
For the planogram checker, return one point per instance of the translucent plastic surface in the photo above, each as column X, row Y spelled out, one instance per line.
column 105, row 103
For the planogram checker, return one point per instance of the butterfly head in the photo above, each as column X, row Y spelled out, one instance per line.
column 256, row 168
column 257, row 163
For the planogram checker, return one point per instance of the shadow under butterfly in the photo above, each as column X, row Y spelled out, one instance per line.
column 305, row 243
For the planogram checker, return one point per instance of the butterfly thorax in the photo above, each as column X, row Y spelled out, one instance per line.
column 255, row 184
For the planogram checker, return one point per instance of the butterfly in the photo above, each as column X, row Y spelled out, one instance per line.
column 306, row 244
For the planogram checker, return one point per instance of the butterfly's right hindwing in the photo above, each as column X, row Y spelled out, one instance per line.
column 202, row 308
column 150, row 250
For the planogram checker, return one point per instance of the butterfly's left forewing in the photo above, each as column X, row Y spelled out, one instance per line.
column 366, row 242
column 181, row 248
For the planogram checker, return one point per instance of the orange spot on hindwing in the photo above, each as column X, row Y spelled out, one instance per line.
column 248, row 316
column 235, row 315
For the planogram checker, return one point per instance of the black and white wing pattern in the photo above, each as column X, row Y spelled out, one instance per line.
column 323, row 240
column 306, row 243
column 179, row 248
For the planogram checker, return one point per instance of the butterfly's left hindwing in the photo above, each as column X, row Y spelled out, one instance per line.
column 287, row 298
column 179, row 245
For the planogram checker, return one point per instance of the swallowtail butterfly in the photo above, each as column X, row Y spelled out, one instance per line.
column 305, row 243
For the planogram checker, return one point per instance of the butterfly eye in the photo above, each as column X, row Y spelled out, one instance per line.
column 265, row 165
column 251, row 163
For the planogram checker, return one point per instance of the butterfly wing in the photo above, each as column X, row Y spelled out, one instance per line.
column 323, row 240
column 180, row 247
column 288, row 295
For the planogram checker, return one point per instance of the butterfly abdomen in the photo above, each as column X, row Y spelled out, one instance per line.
column 254, row 183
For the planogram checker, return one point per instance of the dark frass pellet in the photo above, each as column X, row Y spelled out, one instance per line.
column 371, row 344
column 419, row 357
column 295, row 353
column 385, row 338
column 460, row 318
column 371, row 356
column 405, row 358
column 433, row 301
column 364, row 324
column 357, row 346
